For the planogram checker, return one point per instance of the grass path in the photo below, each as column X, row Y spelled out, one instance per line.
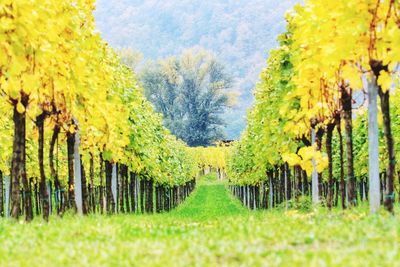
column 210, row 229
column 211, row 200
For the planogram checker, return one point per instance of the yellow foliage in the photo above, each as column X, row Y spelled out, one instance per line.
column 385, row 80
column 20, row 107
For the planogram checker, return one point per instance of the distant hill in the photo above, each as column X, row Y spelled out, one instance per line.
column 239, row 32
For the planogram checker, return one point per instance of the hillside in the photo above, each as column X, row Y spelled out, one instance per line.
column 239, row 32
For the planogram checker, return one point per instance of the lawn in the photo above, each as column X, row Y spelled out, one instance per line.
column 209, row 229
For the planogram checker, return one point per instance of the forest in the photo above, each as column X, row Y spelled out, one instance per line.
column 239, row 32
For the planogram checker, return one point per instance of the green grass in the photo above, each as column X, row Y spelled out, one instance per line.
column 210, row 229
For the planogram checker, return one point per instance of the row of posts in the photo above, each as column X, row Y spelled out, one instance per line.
column 123, row 191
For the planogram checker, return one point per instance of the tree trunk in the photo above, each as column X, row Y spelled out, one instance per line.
column 20, row 173
column 162, row 199
column 114, row 187
column 149, row 196
column 276, row 186
column 37, row 199
column 102, row 197
column 50, row 194
column 390, row 170
column 314, row 181
column 341, row 158
column 91, row 186
column 300, row 186
column 157, row 198
column 71, row 190
column 137, row 192
column 176, row 195
column 294, row 184
column 121, row 187
column 373, row 146
column 336, row 193
column 133, row 192
column 330, row 129
column 305, row 182
column 248, row 196
column 110, row 204
column 166, row 199
column 28, row 198
column 85, row 198
column 346, row 99
column 53, row 171
column 364, row 194
column 173, row 196
column 257, row 197
column 18, row 163
column 127, row 187
column 44, row 195
column 141, row 192
column 285, row 174
column 78, row 175
column 180, row 194
column 318, row 140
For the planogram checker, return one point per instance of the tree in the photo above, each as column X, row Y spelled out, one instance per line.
column 58, row 76
column 337, row 48
column 192, row 93
column 131, row 58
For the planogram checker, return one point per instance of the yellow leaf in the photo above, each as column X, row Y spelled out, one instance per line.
column 385, row 80
column 12, row 87
column 291, row 158
column 20, row 108
column 353, row 76
column 30, row 82
column 71, row 129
